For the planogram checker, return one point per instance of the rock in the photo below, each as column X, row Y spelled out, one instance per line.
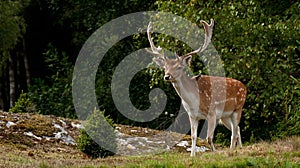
column 9, row 124
column 183, row 144
column 30, row 153
column 129, row 146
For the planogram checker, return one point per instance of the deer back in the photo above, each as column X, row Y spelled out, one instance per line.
column 225, row 94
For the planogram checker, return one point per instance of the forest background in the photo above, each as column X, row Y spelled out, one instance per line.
column 258, row 42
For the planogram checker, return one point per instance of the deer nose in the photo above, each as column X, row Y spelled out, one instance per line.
column 167, row 77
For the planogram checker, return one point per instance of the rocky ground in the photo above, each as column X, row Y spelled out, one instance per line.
column 39, row 135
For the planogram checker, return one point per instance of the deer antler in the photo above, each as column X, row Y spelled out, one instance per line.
column 154, row 49
column 208, row 28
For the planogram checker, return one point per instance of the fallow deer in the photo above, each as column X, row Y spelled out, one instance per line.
column 204, row 97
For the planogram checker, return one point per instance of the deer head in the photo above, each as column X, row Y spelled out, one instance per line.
column 173, row 68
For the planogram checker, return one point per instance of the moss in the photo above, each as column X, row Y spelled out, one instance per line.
column 8, row 118
column 18, row 140
column 38, row 125
column 43, row 126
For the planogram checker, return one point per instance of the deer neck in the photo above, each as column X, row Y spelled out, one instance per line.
column 186, row 88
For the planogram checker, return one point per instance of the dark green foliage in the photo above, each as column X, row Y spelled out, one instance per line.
column 23, row 105
column 12, row 25
column 290, row 126
column 97, row 135
column 77, row 20
column 53, row 95
column 12, row 29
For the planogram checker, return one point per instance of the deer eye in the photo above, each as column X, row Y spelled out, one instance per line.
column 179, row 68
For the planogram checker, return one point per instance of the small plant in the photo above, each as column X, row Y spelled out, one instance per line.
column 222, row 139
column 98, row 139
column 23, row 105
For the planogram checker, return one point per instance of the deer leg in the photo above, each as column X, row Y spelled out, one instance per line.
column 194, row 127
column 235, row 135
column 239, row 137
column 211, row 120
column 227, row 122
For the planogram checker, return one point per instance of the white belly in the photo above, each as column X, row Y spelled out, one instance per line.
column 223, row 114
column 193, row 110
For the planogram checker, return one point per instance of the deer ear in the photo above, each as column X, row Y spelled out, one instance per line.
column 187, row 60
column 159, row 62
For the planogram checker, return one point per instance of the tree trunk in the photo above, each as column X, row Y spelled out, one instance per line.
column 12, row 82
column 26, row 65
column 1, row 94
column 3, row 71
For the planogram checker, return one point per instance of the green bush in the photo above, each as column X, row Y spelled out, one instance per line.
column 23, row 105
column 291, row 125
column 98, row 139
column 53, row 95
column 88, row 146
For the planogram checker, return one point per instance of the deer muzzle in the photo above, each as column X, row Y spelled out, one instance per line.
column 167, row 77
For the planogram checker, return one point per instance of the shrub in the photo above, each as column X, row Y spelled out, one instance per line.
column 98, row 139
column 23, row 105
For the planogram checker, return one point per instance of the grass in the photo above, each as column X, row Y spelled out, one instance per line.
column 280, row 153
